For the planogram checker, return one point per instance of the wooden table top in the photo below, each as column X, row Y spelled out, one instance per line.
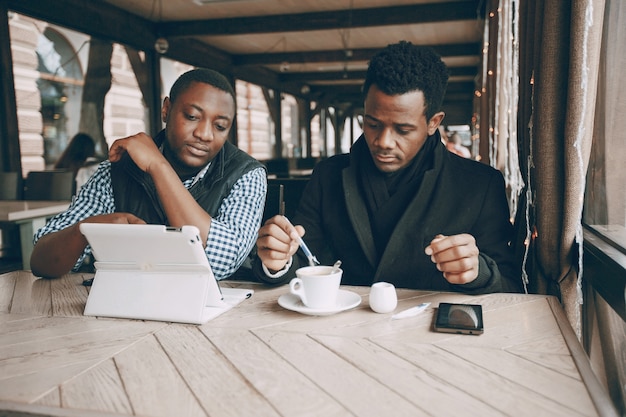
column 15, row 210
column 259, row 359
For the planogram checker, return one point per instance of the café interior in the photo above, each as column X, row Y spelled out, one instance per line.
column 535, row 90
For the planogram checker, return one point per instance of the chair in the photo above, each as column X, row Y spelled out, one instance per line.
column 277, row 166
column 274, row 202
column 307, row 163
column 292, row 192
column 11, row 185
column 49, row 185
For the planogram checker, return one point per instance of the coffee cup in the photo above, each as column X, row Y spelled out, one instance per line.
column 317, row 286
column 383, row 298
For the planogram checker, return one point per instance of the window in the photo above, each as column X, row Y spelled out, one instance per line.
column 60, row 85
column 50, row 65
column 605, row 199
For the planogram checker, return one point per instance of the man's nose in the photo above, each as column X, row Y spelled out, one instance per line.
column 385, row 139
column 204, row 130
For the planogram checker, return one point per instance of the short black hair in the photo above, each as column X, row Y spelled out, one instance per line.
column 403, row 67
column 201, row 75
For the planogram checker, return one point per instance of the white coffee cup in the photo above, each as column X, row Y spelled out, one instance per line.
column 317, row 286
column 383, row 297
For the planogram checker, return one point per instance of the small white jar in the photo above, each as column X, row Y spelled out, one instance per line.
column 383, row 297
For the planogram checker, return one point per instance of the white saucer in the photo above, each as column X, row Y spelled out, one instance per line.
column 345, row 301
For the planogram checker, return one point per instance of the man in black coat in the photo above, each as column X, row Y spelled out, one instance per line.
column 399, row 207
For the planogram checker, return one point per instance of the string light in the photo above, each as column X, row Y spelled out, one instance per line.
column 161, row 45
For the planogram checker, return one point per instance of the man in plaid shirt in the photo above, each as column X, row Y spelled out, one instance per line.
column 187, row 175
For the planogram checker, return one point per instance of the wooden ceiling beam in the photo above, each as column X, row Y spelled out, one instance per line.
column 450, row 50
column 305, row 77
column 335, row 19
column 100, row 19
column 454, row 87
column 356, row 100
column 95, row 18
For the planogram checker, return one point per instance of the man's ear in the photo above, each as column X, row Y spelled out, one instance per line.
column 165, row 109
column 434, row 122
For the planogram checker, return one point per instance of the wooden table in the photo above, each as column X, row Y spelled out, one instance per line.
column 29, row 216
column 262, row 360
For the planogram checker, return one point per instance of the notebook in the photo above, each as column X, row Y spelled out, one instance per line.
column 154, row 272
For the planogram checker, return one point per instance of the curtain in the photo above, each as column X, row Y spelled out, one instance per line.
column 559, row 59
column 503, row 131
column 499, row 101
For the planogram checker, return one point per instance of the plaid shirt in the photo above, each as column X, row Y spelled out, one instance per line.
column 232, row 233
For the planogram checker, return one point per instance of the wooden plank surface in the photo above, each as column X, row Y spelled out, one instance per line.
column 98, row 388
column 68, row 296
column 7, row 288
column 152, row 382
column 260, row 359
column 50, row 351
column 501, row 393
column 31, row 295
column 214, row 380
column 347, row 384
column 284, row 386
column 429, row 392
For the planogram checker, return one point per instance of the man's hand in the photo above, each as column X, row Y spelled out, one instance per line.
column 277, row 242
column 456, row 256
column 141, row 149
column 56, row 253
column 117, row 218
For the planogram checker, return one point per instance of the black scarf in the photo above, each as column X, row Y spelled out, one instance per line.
column 388, row 194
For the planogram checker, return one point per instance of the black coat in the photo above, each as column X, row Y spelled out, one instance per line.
column 456, row 196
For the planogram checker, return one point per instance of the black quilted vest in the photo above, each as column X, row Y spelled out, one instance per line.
column 135, row 192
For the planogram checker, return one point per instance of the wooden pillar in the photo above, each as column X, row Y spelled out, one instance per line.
column 352, row 128
column 278, row 124
column 148, row 75
column 98, row 80
column 304, row 126
column 234, row 130
column 9, row 132
column 339, row 122
column 273, row 100
column 153, row 61
column 323, row 133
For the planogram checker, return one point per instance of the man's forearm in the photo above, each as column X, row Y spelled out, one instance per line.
column 56, row 253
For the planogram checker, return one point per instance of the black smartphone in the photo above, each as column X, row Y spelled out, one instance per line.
column 459, row 318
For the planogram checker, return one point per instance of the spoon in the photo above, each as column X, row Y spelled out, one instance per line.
column 336, row 267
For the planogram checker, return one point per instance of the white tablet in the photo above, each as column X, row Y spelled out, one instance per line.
column 154, row 272
column 145, row 246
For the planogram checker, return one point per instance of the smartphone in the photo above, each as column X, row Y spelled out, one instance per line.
column 459, row 318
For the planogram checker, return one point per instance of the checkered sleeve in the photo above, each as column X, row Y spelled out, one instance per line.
column 233, row 232
column 95, row 197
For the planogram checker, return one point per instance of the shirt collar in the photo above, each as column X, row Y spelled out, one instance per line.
column 196, row 177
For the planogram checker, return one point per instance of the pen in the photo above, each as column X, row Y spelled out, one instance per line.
column 411, row 312
column 312, row 259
